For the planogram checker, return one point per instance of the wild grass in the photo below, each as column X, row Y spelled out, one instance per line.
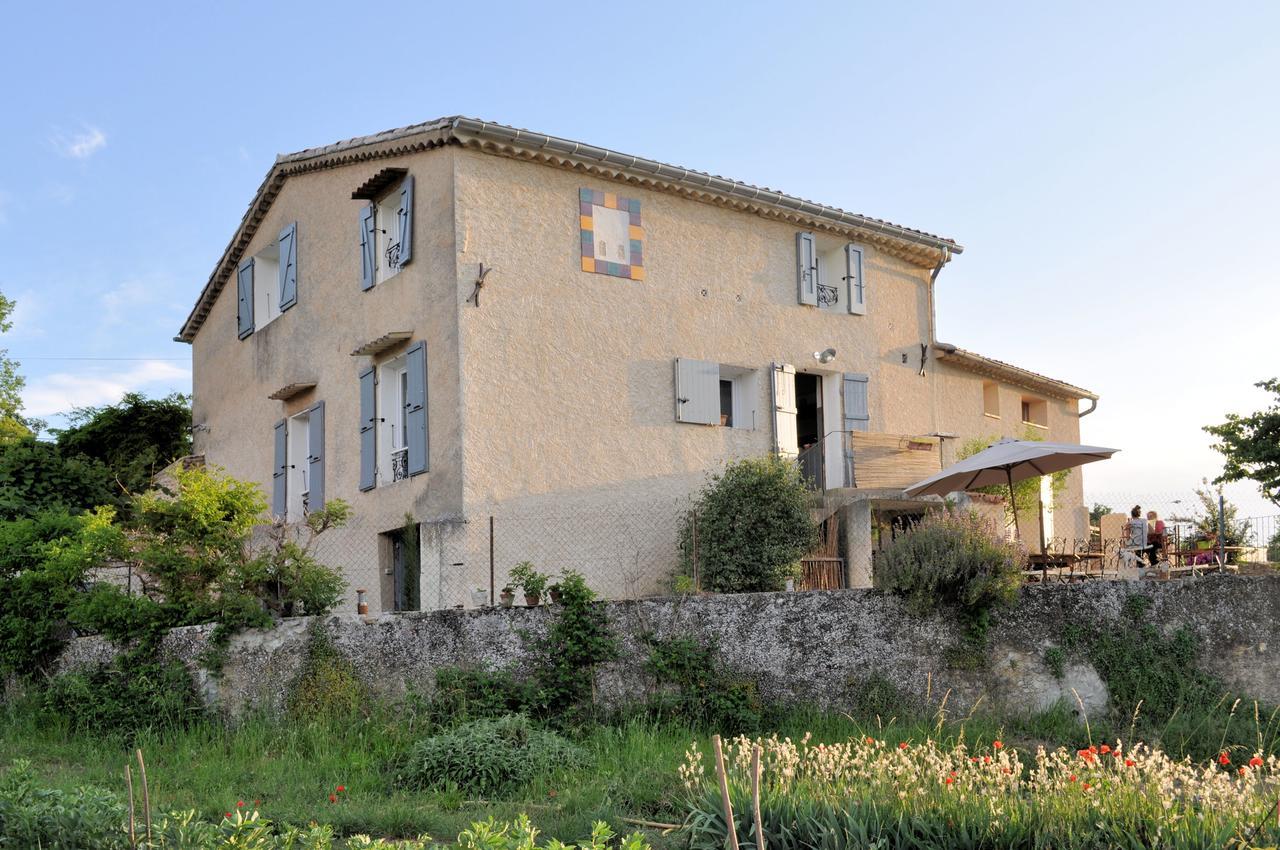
column 289, row 768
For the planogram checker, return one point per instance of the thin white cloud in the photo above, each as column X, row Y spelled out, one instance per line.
column 59, row 392
column 80, row 145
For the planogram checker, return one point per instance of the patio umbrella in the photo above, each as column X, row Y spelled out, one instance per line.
column 1006, row 462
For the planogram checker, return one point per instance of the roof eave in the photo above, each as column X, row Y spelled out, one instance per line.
column 986, row 366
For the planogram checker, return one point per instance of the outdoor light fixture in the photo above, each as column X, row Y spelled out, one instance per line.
column 825, row 356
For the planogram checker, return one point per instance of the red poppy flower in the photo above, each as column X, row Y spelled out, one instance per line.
column 986, row 759
column 973, row 759
column 1086, row 786
column 1255, row 762
column 239, row 804
column 1104, row 749
column 870, row 740
column 1224, row 759
column 342, row 788
column 950, row 779
column 1071, row 778
column 228, row 814
column 903, row 745
column 997, row 744
column 1009, row 770
column 1128, row 762
column 333, row 798
column 1243, row 771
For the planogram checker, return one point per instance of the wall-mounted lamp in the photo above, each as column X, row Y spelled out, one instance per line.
column 825, row 356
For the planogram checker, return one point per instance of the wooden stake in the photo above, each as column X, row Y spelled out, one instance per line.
column 724, row 793
column 146, row 795
column 128, row 784
column 755, row 795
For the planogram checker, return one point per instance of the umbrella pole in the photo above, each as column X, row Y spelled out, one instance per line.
column 1013, row 505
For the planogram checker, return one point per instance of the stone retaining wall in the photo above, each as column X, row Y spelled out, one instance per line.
column 813, row 647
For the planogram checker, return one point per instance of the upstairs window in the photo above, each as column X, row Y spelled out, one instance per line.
column 386, row 226
column 298, row 480
column 394, row 442
column 267, row 283
column 991, row 399
column 829, row 274
column 1035, row 411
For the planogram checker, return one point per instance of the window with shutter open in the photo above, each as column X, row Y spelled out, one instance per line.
column 807, row 277
column 244, row 291
column 288, row 247
column 856, row 416
column 368, row 429
column 785, row 426
column 855, row 286
column 415, row 403
column 280, row 471
column 315, row 457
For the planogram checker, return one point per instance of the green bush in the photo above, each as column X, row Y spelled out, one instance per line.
column 32, row 816
column 473, row 694
column 752, row 526
column 127, row 696
column 951, row 559
column 37, row 476
column 565, row 659
column 328, row 685
column 693, row 686
column 488, row 756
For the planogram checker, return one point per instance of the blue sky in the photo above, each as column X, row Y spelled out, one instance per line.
column 1111, row 169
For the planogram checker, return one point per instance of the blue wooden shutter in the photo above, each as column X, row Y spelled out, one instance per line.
column 368, row 248
column 315, row 457
column 244, row 289
column 697, row 391
column 288, row 266
column 368, row 430
column 404, row 220
column 857, row 417
column 853, row 279
column 807, row 268
column 280, row 474
column 416, row 438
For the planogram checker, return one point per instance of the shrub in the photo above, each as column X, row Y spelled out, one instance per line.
column 565, row 659
column 33, row 816
column 488, row 756
column 285, row 574
column 953, row 559
column 694, row 686
column 752, row 526
column 127, row 696
column 473, row 694
column 328, row 685
column 37, row 476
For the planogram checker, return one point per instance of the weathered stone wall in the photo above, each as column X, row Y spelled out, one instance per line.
column 813, row 647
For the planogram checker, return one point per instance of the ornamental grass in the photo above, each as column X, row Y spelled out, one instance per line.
column 869, row 792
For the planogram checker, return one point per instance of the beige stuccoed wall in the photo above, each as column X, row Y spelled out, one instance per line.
column 313, row 341
column 570, row 389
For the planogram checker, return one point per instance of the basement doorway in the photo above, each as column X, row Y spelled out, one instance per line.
column 402, row 573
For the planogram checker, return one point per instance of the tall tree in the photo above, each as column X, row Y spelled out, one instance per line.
column 134, row 438
column 12, row 425
column 1251, row 445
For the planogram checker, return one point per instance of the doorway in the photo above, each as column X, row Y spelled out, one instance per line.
column 403, row 574
column 809, row 428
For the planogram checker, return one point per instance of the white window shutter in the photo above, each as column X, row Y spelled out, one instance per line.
column 786, row 434
column 857, row 417
column 697, row 391
column 855, row 285
column 807, row 268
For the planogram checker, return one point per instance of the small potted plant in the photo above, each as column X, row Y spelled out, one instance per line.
column 532, row 582
column 554, row 592
column 480, row 597
column 508, row 596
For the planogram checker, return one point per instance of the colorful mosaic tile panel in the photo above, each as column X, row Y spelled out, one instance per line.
column 612, row 237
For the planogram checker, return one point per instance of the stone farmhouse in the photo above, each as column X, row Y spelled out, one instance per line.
column 459, row 319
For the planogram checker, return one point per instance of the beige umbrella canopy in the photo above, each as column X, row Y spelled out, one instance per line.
column 1006, row 462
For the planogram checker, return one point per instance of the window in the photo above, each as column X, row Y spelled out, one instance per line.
column 829, row 274
column 991, row 399
column 386, row 228
column 393, row 460
column 268, row 282
column 394, row 442
column 1035, row 412
column 709, row 393
column 298, row 484
column 297, row 457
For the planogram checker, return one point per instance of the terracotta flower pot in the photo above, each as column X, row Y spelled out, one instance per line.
column 554, row 590
column 531, row 599
column 508, row 597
